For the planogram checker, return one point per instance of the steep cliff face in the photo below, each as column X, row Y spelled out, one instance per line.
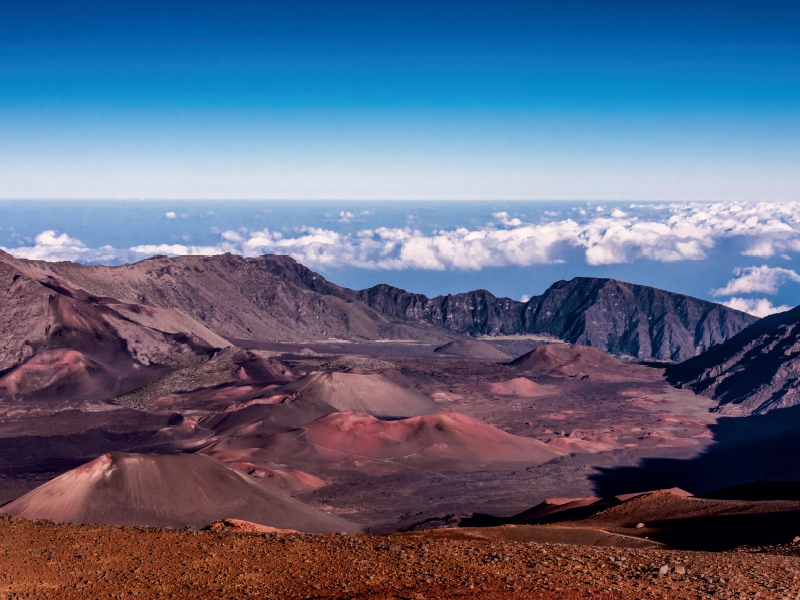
column 275, row 298
column 753, row 372
column 477, row 313
column 613, row 316
column 636, row 320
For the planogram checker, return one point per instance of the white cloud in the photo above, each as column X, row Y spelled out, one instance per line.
column 758, row 307
column 524, row 298
column 763, row 279
column 52, row 247
column 503, row 218
column 665, row 233
column 170, row 214
column 180, row 250
column 232, row 236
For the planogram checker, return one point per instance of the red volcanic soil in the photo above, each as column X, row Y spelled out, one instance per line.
column 372, row 394
column 472, row 349
column 53, row 372
column 264, row 419
column 670, row 517
column 439, row 438
column 175, row 490
column 83, row 562
column 255, row 368
column 519, row 386
column 440, row 442
column 581, row 362
column 240, row 526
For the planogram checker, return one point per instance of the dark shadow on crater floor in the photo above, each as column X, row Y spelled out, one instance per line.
column 745, row 450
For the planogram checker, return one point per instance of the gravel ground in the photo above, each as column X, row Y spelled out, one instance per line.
column 44, row 560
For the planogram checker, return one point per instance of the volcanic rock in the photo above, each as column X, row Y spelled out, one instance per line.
column 755, row 371
column 611, row 315
column 472, row 349
column 372, row 394
column 174, row 490
column 580, row 362
column 447, row 441
column 270, row 297
column 239, row 526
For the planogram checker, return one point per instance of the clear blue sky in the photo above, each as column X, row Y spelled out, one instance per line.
column 497, row 100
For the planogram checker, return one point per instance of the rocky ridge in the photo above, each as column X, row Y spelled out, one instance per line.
column 613, row 316
column 275, row 298
column 754, row 372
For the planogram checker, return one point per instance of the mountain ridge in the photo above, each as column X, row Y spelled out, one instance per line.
column 753, row 372
column 650, row 324
column 275, row 298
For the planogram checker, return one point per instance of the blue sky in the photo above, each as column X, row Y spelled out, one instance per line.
column 400, row 100
column 133, row 128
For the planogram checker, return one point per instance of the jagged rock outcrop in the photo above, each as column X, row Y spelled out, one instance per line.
column 613, row 316
column 275, row 298
column 479, row 312
column 629, row 319
column 753, row 372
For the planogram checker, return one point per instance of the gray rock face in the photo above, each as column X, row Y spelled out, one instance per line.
column 273, row 297
column 753, row 372
column 613, row 316
column 477, row 313
column 637, row 320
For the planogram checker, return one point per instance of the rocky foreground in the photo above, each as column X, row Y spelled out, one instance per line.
column 45, row 560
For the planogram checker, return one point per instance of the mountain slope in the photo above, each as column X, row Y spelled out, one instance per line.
column 265, row 298
column 274, row 298
column 753, row 372
column 614, row 316
column 175, row 490
column 371, row 394
column 637, row 320
column 64, row 344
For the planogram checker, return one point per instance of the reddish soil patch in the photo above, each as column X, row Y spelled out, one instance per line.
column 86, row 562
column 472, row 349
column 519, row 386
column 174, row 490
column 581, row 362
column 448, row 441
column 372, row 394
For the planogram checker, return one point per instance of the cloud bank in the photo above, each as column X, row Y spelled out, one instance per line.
column 758, row 307
column 761, row 279
column 666, row 233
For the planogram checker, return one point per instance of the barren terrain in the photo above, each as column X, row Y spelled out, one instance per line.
column 44, row 560
column 466, row 461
